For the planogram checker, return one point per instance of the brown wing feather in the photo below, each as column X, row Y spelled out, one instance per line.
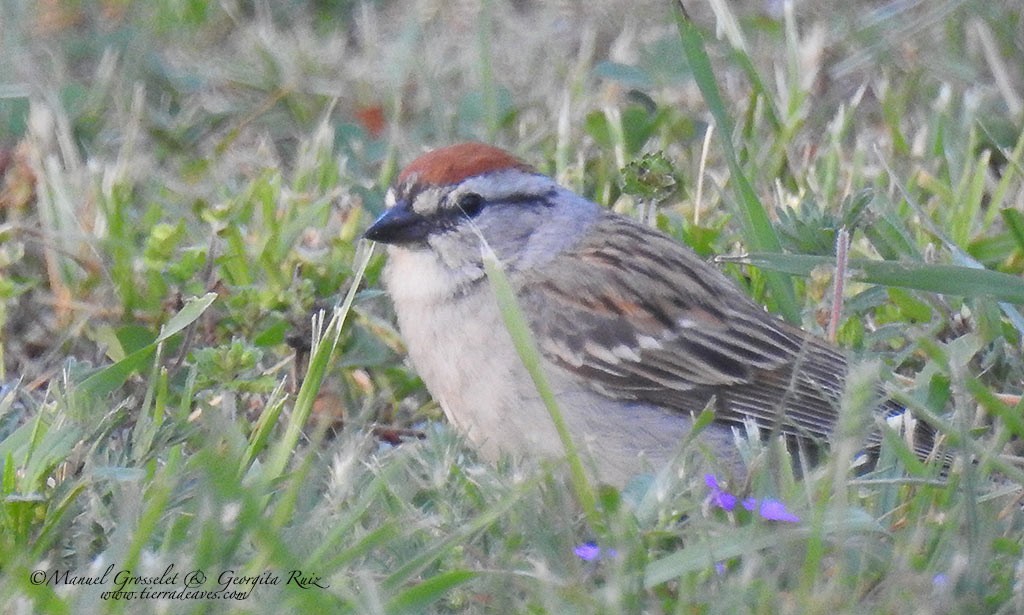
column 677, row 333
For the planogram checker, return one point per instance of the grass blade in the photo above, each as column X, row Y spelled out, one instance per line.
column 757, row 226
column 319, row 360
column 515, row 321
column 943, row 279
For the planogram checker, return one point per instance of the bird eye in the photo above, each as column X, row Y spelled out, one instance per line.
column 471, row 203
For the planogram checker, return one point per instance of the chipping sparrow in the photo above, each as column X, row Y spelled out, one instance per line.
column 637, row 333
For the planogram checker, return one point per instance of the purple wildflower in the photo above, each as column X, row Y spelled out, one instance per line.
column 590, row 552
column 723, row 499
column 768, row 508
column 774, row 510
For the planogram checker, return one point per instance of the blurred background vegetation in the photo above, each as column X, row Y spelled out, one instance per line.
column 153, row 153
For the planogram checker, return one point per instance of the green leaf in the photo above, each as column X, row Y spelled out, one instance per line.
column 271, row 335
column 107, row 380
column 420, row 596
column 1012, row 417
column 1015, row 222
column 638, row 124
column 596, row 125
column 625, row 74
column 134, row 337
column 912, row 308
column 943, row 279
column 703, row 555
column 193, row 309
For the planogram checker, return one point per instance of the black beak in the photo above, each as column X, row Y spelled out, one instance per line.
column 399, row 225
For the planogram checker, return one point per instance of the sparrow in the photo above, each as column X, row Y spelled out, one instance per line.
column 637, row 333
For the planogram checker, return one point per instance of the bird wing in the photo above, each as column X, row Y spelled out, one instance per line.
column 637, row 316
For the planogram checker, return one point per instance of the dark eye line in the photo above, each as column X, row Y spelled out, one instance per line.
column 545, row 199
column 450, row 217
column 477, row 202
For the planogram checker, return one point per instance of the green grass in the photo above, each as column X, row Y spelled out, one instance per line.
column 183, row 190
